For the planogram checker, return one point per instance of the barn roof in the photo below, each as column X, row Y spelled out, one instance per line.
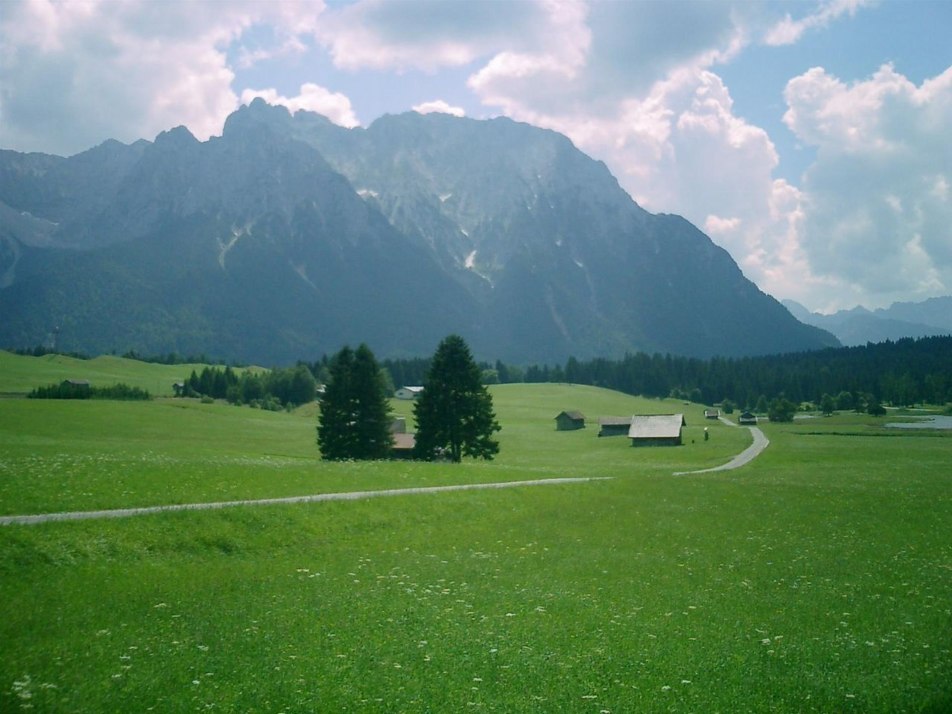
column 404, row 441
column 574, row 414
column 614, row 421
column 656, row 426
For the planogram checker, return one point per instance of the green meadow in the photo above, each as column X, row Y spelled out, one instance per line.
column 817, row 578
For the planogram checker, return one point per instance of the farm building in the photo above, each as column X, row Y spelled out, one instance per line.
column 398, row 425
column 614, row 425
column 748, row 418
column 656, row 430
column 712, row 413
column 568, row 421
column 403, row 445
column 408, row 392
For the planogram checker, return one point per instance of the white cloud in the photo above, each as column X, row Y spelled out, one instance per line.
column 439, row 106
column 76, row 73
column 789, row 31
column 421, row 34
column 333, row 105
column 877, row 212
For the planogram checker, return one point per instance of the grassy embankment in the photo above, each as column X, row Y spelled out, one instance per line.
column 816, row 579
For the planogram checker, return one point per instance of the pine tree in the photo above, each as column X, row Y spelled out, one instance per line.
column 354, row 422
column 374, row 439
column 454, row 414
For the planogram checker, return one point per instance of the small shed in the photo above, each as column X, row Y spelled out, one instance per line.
column 408, row 392
column 614, row 425
column 403, row 445
column 748, row 418
column 569, row 421
column 712, row 413
column 656, row 430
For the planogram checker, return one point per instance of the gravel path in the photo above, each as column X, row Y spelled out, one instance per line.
column 744, row 457
column 348, row 496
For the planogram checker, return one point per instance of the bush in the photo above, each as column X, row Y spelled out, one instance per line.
column 781, row 409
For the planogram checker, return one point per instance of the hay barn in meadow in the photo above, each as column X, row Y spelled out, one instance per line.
column 614, row 425
column 656, row 430
column 569, row 421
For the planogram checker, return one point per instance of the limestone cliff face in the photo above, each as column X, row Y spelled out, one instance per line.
column 287, row 237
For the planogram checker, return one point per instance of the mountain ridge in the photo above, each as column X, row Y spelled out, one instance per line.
column 860, row 326
column 288, row 236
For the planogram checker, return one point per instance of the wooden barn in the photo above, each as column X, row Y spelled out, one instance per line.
column 656, row 430
column 569, row 421
column 403, row 444
column 747, row 418
column 712, row 413
column 614, row 425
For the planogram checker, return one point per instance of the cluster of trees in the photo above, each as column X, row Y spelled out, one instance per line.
column 274, row 389
column 454, row 414
column 83, row 390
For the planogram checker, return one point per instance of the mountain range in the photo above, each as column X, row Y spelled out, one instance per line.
column 289, row 236
column 860, row 326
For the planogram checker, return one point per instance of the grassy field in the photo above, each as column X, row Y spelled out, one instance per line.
column 818, row 578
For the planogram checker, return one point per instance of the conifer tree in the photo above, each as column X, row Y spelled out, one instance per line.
column 374, row 439
column 454, row 414
column 354, row 422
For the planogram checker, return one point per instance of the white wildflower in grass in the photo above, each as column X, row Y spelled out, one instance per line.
column 21, row 688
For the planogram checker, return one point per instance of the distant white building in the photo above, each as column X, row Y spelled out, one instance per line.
column 408, row 392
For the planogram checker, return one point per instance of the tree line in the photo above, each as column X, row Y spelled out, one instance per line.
column 83, row 390
column 902, row 372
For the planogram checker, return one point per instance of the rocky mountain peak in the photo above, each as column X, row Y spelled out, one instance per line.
column 287, row 237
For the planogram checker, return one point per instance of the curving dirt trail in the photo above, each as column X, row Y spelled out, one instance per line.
column 761, row 442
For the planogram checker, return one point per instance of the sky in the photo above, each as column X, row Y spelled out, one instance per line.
column 812, row 140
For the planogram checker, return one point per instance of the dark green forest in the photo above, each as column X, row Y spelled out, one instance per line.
column 904, row 372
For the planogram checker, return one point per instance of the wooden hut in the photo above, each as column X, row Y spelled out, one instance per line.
column 614, row 425
column 569, row 421
column 656, row 430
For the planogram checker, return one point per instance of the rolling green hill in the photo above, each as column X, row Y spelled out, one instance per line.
column 19, row 374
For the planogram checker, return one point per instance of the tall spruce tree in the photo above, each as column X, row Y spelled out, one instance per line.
column 354, row 422
column 454, row 414
column 374, row 438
